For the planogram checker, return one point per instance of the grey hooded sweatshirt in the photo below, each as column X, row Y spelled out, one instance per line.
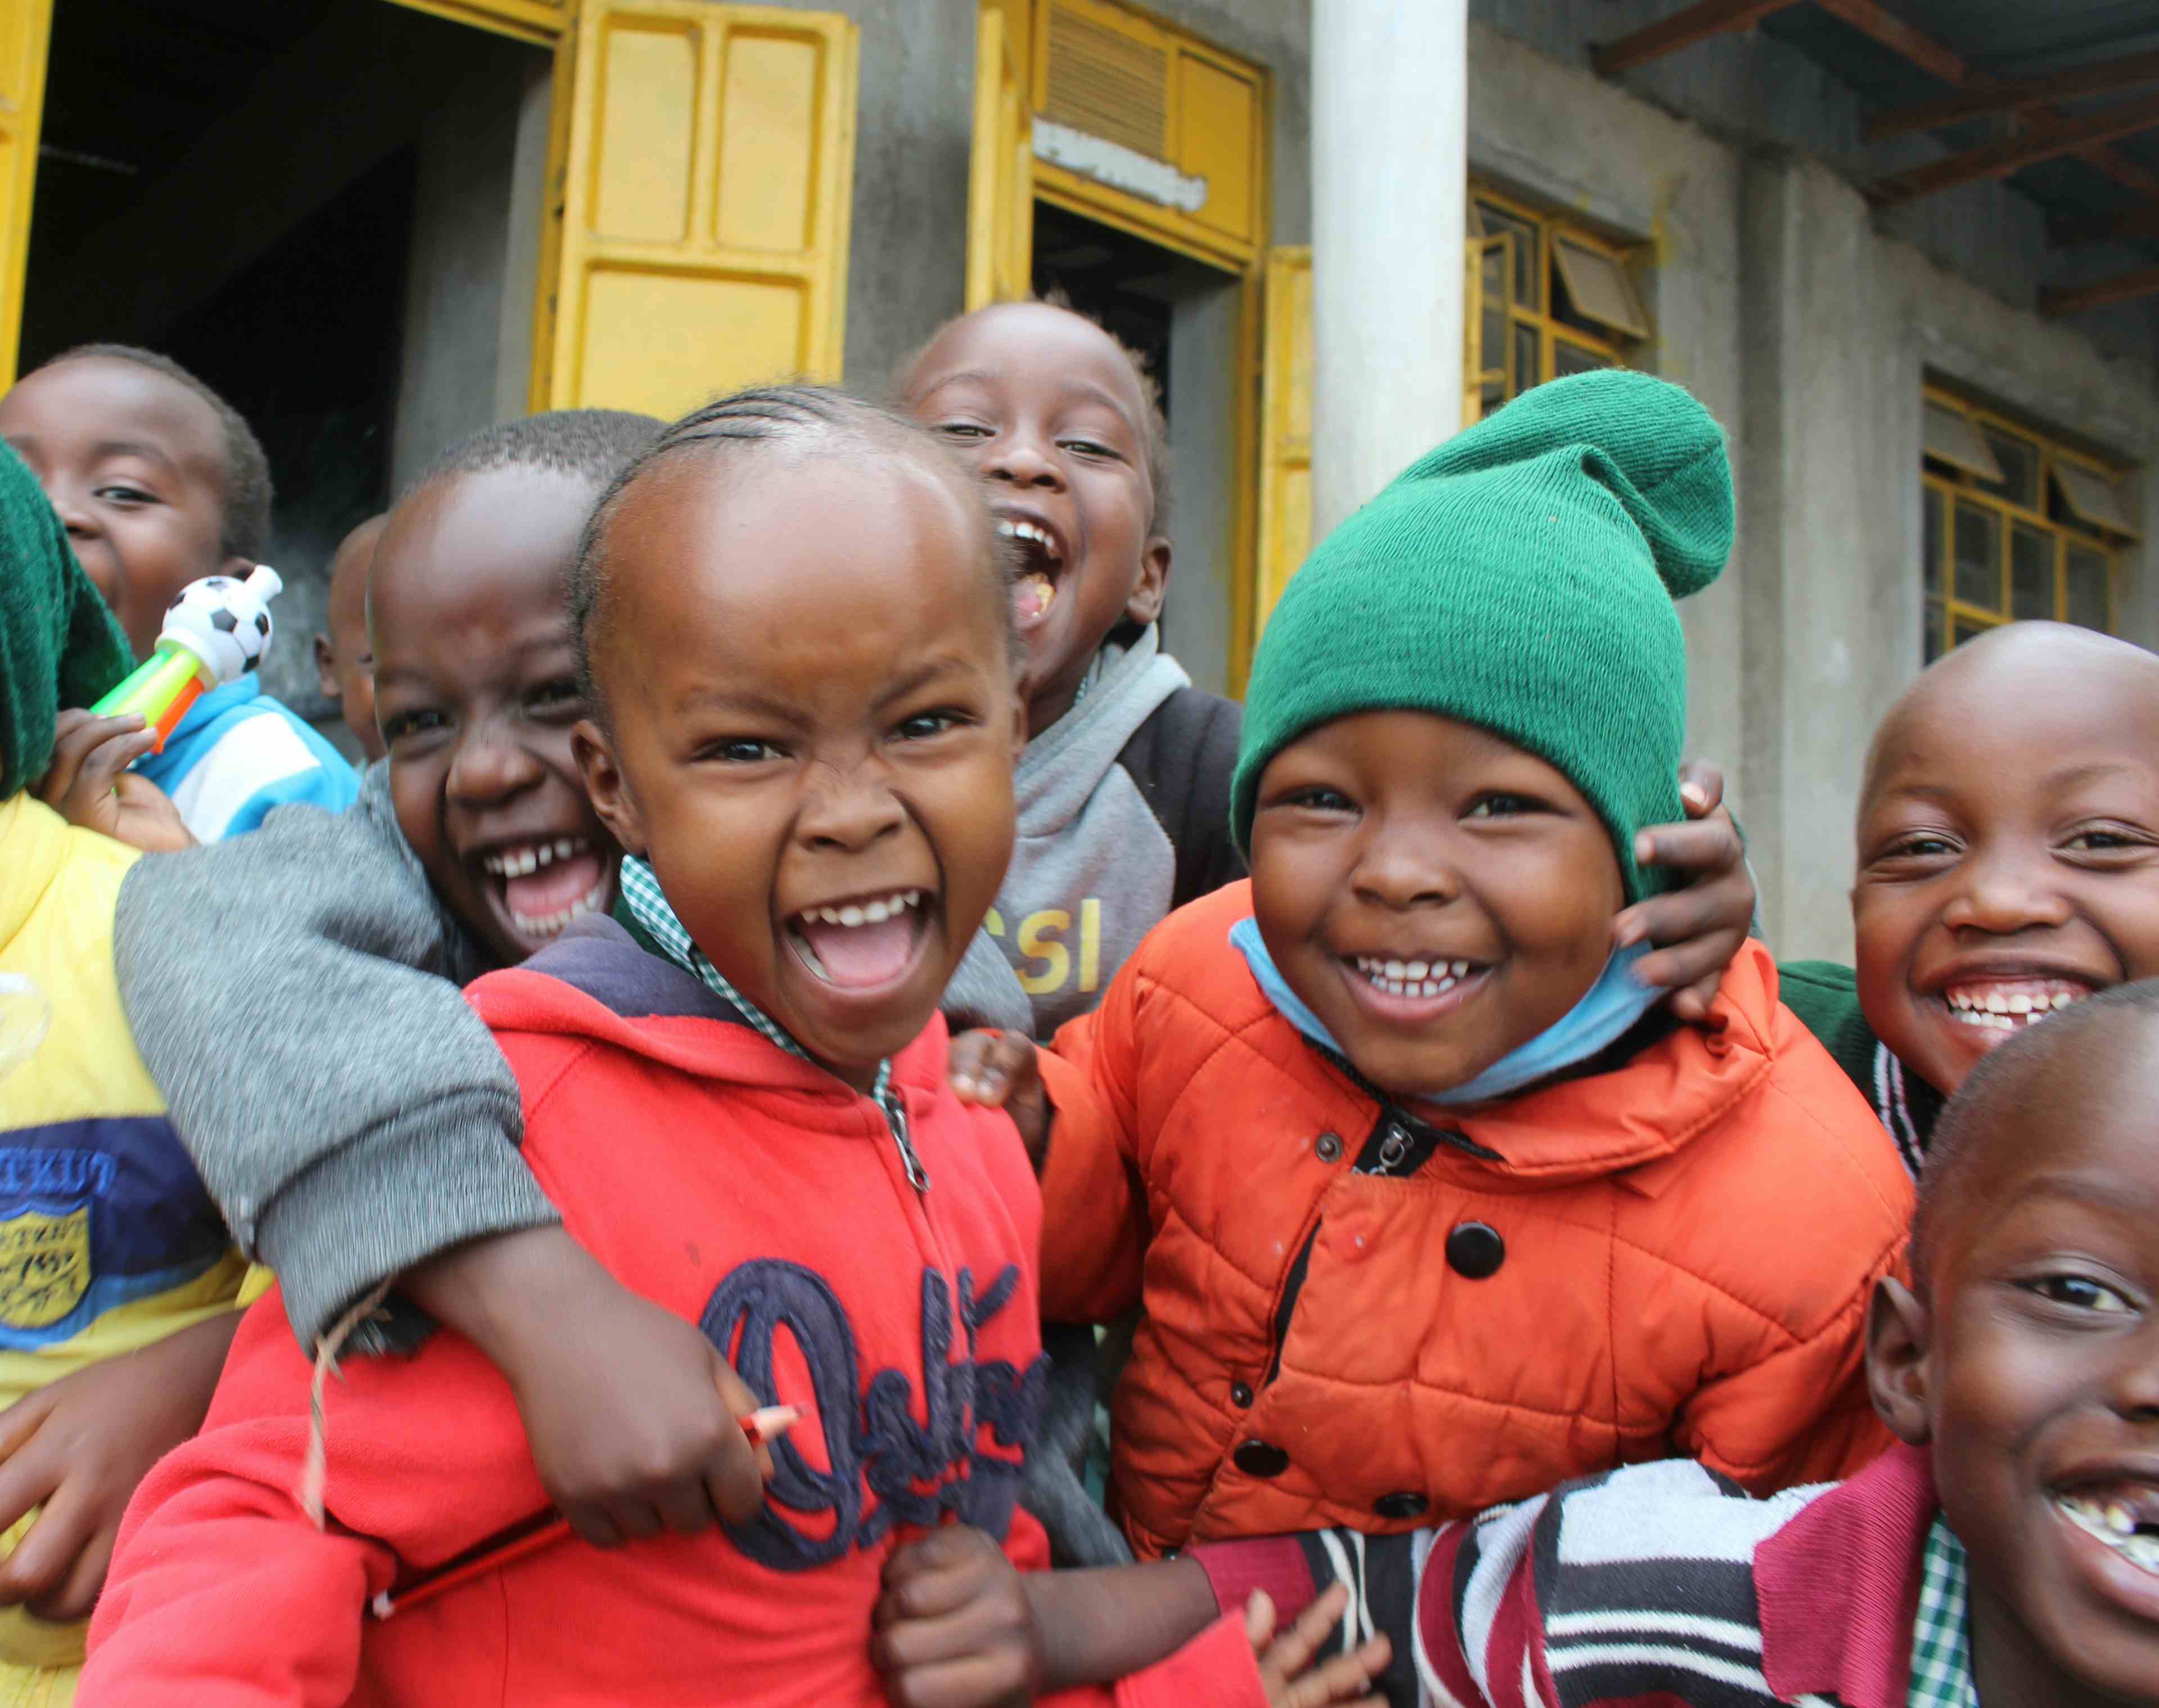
column 1124, row 816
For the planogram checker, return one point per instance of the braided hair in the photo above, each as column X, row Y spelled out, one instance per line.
column 757, row 422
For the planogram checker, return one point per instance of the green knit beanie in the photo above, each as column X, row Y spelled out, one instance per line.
column 1520, row 577
column 59, row 646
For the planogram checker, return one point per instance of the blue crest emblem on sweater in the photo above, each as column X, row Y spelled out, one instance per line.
column 893, row 1457
column 44, row 1266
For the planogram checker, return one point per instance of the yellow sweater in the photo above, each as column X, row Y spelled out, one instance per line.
column 107, row 1239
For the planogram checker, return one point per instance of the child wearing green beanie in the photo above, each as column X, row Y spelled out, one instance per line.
column 117, row 1279
column 1426, row 1205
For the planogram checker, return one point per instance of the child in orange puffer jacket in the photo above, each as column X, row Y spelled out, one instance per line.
column 1426, row 1206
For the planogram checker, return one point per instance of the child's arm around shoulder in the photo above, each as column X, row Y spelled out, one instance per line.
column 294, row 994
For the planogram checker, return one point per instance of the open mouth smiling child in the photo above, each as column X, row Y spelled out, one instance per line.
column 2007, row 867
column 1423, row 1204
column 740, row 1103
column 160, row 483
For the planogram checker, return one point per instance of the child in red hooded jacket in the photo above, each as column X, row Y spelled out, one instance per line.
column 803, row 738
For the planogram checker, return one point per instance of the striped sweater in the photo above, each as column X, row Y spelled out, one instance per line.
column 1659, row 1583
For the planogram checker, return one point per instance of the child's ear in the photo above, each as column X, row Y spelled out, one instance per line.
column 604, row 781
column 326, row 669
column 1153, row 586
column 1897, row 1331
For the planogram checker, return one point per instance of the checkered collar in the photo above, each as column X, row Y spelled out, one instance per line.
column 1941, row 1639
column 649, row 906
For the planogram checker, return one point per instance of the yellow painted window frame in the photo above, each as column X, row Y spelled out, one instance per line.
column 1553, row 334
column 1078, row 193
column 1247, row 264
column 1962, row 487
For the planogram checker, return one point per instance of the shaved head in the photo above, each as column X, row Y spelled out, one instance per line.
column 2018, row 665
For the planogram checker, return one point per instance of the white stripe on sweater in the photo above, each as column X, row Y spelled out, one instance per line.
column 1727, row 1634
column 1666, row 1656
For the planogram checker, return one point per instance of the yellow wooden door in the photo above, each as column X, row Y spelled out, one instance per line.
column 25, row 29
column 1285, row 428
column 710, row 167
column 1000, row 175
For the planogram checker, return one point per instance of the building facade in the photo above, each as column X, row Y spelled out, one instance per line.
column 379, row 223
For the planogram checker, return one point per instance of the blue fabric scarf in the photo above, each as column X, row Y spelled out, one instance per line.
column 1607, row 1011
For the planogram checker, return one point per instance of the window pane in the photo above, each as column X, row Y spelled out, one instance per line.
column 1491, row 323
column 1931, row 547
column 2030, row 572
column 1978, row 557
column 2092, row 498
column 2087, row 578
column 1935, row 619
column 1529, row 252
column 1598, row 289
column 2020, row 467
column 1949, row 437
column 1573, row 359
column 1529, row 359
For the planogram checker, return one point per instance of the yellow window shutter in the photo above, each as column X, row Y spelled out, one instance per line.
column 1000, row 175
column 1285, row 428
column 705, row 203
column 26, row 27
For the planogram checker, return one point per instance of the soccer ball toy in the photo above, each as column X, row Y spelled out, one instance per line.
column 215, row 633
column 224, row 622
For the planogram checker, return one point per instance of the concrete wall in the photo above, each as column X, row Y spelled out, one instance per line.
column 466, row 359
column 1203, row 448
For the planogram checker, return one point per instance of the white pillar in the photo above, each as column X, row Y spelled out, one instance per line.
column 1389, row 161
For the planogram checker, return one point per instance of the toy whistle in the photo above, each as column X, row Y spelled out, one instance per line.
column 215, row 634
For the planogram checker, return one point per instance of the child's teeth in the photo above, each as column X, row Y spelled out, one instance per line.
column 874, row 912
column 1416, row 971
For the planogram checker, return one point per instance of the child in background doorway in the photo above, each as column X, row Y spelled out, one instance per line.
column 1425, row 1205
column 2008, row 1552
column 2007, row 866
column 740, row 1103
column 160, row 483
column 117, row 1277
column 345, row 663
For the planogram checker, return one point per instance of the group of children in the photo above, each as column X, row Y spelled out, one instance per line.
column 804, row 933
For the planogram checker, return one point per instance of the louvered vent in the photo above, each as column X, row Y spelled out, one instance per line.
column 1106, row 83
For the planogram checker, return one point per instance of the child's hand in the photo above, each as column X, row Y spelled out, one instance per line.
column 79, row 1447
column 89, row 783
column 997, row 1069
column 954, row 1627
column 1698, row 929
column 632, row 1414
column 1286, row 1666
